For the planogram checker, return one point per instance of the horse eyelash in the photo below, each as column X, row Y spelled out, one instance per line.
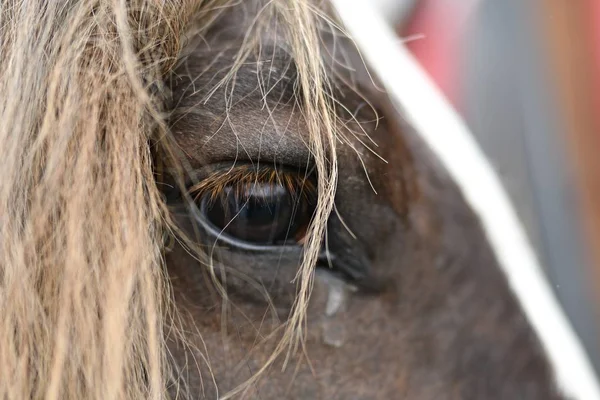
column 243, row 177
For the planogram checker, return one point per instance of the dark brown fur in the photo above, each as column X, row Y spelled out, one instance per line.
column 433, row 317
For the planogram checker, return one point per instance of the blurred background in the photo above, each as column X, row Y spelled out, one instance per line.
column 525, row 76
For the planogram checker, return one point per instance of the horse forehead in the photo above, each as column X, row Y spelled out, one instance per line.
column 258, row 110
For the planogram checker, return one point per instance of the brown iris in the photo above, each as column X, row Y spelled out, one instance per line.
column 264, row 206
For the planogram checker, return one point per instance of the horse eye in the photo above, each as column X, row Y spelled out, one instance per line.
column 265, row 213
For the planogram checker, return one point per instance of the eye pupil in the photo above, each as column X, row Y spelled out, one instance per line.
column 260, row 213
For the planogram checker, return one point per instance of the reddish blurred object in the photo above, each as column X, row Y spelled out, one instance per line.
column 595, row 24
column 441, row 25
column 574, row 41
column 594, row 6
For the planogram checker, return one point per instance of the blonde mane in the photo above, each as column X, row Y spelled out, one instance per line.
column 84, row 294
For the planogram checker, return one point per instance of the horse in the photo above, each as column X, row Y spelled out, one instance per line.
column 216, row 199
